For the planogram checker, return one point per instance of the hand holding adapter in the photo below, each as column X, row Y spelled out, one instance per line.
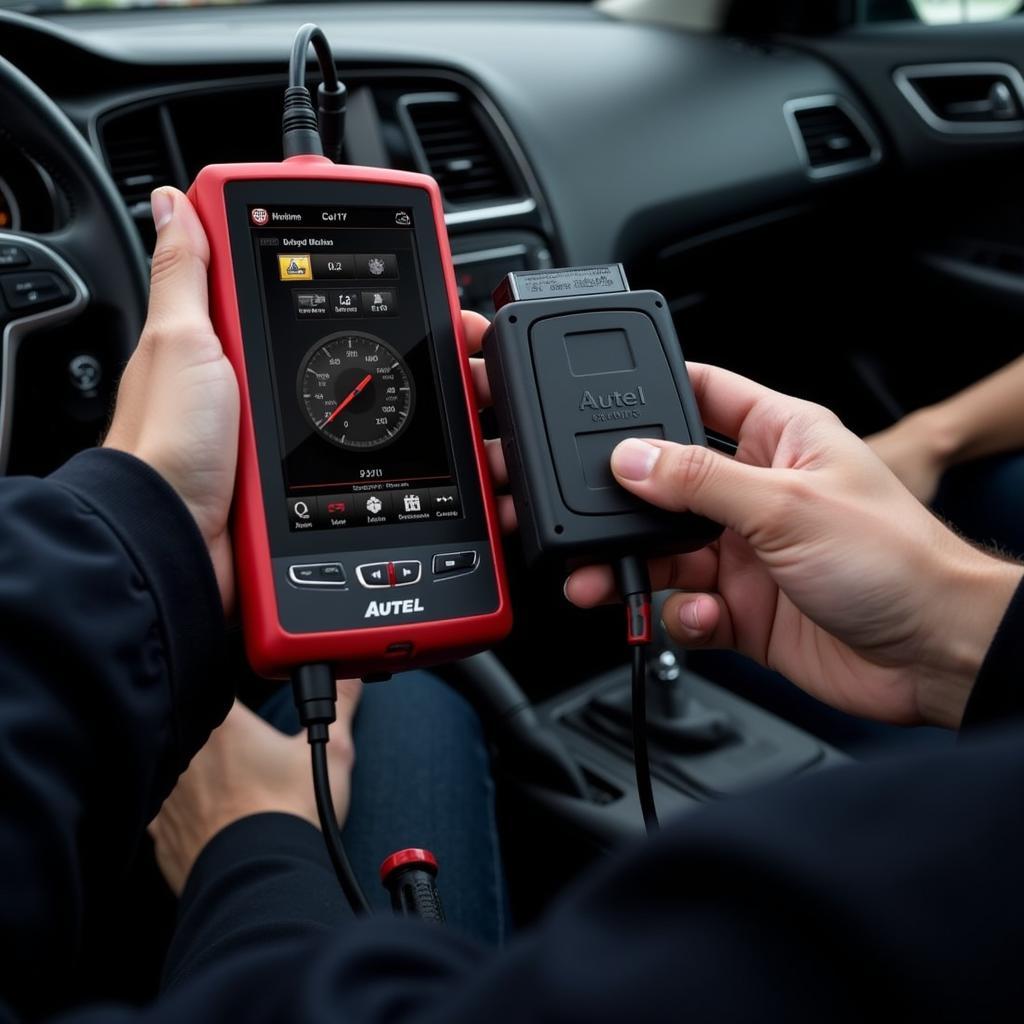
column 830, row 571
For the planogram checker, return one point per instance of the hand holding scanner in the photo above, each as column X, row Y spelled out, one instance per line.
column 364, row 526
column 365, row 531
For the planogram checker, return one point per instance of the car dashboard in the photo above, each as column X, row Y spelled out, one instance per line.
column 557, row 133
column 789, row 196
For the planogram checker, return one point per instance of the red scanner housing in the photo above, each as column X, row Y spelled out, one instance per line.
column 359, row 628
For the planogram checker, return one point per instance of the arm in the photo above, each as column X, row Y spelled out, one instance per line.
column 111, row 619
column 893, row 885
column 986, row 418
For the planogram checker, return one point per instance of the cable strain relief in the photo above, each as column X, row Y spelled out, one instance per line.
column 299, row 126
column 315, row 694
column 638, row 620
column 632, row 577
column 634, row 584
column 317, row 733
column 331, row 105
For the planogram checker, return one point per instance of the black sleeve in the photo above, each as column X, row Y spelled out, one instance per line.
column 998, row 694
column 109, row 614
column 892, row 890
column 261, row 879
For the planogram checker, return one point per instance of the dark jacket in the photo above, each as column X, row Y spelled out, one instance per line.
column 884, row 891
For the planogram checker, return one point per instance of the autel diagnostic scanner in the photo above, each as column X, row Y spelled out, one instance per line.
column 365, row 532
column 364, row 526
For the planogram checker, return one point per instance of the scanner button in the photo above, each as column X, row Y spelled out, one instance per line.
column 372, row 266
column 374, row 575
column 382, row 303
column 322, row 574
column 302, row 514
column 445, row 503
column 407, row 573
column 331, row 572
column 454, row 562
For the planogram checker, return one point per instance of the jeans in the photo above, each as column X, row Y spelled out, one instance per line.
column 422, row 778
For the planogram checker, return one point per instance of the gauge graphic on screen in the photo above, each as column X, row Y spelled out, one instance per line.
column 356, row 391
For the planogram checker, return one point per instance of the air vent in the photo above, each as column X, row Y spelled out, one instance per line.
column 831, row 136
column 455, row 145
column 137, row 154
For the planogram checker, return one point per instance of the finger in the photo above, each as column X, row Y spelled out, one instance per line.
column 698, row 621
column 726, row 399
column 474, row 326
column 692, row 478
column 496, row 461
column 481, row 385
column 177, row 292
column 595, row 584
column 507, row 514
column 349, row 693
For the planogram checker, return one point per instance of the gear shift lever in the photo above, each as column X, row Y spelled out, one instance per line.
column 675, row 721
column 666, row 689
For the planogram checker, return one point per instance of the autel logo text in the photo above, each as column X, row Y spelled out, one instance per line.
column 379, row 609
column 618, row 405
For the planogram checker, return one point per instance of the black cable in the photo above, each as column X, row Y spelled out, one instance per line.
column 305, row 131
column 329, row 826
column 641, row 756
column 316, row 696
column 310, row 33
column 635, row 587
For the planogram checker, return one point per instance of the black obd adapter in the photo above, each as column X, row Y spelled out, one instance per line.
column 577, row 363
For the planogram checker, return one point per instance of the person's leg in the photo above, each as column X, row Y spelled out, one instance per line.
column 422, row 778
column 984, row 500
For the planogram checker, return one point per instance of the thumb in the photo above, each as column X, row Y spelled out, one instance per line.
column 177, row 292
column 692, row 478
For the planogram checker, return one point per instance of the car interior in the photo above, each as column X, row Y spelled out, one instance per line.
column 827, row 193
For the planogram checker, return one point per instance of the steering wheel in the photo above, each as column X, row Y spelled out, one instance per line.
column 95, row 257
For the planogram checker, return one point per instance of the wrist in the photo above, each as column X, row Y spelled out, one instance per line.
column 176, row 480
column 209, row 517
column 940, row 433
column 972, row 595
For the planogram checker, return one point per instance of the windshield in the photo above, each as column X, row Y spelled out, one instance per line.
column 44, row 6
column 940, row 12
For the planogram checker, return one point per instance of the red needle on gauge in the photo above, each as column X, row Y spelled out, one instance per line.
column 353, row 394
